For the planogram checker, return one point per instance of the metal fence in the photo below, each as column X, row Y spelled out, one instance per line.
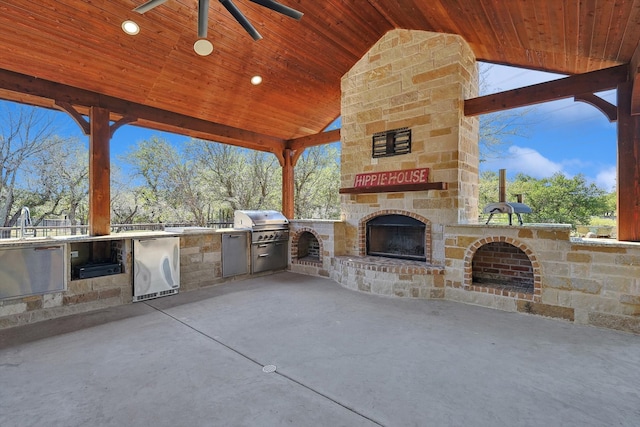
column 83, row 230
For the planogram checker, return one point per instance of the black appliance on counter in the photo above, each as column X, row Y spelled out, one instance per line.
column 269, row 238
column 502, row 206
column 97, row 269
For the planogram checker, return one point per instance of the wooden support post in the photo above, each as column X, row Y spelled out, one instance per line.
column 628, row 184
column 99, row 173
column 288, row 184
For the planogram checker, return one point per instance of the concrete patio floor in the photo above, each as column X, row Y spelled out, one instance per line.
column 342, row 359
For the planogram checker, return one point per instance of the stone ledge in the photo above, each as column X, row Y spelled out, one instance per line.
column 389, row 265
column 313, row 263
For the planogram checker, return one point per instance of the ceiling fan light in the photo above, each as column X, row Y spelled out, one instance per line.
column 256, row 80
column 203, row 47
column 130, row 27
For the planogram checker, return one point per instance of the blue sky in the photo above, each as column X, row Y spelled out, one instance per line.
column 560, row 136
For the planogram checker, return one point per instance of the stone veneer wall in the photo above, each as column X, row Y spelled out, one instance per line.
column 200, row 259
column 583, row 281
column 586, row 281
column 418, row 80
column 328, row 234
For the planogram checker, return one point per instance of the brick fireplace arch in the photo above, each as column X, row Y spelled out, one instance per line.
column 304, row 233
column 362, row 229
column 516, row 248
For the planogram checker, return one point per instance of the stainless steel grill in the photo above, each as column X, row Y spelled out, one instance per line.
column 269, row 238
column 502, row 206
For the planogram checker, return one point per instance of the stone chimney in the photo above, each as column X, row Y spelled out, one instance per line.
column 416, row 80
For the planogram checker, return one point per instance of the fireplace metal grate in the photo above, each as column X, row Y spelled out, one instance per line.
column 396, row 236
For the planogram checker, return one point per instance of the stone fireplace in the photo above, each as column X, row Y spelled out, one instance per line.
column 402, row 114
column 396, row 236
column 410, row 87
column 416, row 82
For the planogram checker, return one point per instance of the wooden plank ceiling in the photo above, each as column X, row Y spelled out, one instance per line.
column 81, row 44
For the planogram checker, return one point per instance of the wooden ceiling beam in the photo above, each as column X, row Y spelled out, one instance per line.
column 567, row 87
column 151, row 117
column 313, row 140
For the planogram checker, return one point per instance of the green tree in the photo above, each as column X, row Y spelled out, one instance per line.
column 610, row 204
column 317, row 180
column 59, row 181
column 559, row 199
column 158, row 164
column 239, row 178
column 488, row 189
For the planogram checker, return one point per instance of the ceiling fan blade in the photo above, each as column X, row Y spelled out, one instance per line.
column 203, row 18
column 280, row 8
column 231, row 7
column 148, row 6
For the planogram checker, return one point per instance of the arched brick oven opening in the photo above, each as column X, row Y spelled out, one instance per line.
column 395, row 234
column 503, row 266
column 306, row 247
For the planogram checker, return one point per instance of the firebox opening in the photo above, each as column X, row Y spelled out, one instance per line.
column 396, row 236
column 502, row 266
column 308, row 247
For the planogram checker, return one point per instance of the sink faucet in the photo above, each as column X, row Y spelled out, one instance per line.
column 25, row 221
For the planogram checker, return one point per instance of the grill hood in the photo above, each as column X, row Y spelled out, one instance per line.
column 259, row 219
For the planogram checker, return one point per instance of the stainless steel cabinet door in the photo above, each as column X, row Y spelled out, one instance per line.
column 235, row 254
column 32, row 270
column 269, row 256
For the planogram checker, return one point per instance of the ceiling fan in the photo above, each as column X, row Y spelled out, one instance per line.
column 203, row 13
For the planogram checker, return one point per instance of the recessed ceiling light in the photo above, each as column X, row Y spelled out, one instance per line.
column 256, row 80
column 203, row 47
column 130, row 28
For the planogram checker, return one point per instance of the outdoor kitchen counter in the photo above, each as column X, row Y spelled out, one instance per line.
column 560, row 232
column 40, row 241
column 206, row 230
column 200, row 266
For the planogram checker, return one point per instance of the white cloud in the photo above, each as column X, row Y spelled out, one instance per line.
column 524, row 160
column 530, row 162
column 606, row 178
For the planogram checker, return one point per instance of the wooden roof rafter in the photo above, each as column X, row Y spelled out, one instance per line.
column 77, row 101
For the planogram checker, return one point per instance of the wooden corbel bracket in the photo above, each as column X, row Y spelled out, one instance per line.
column 607, row 108
column 84, row 123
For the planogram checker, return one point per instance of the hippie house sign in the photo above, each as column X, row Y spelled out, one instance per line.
column 393, row 181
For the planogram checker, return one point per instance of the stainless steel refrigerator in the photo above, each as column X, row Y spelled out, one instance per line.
column 156, row 267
